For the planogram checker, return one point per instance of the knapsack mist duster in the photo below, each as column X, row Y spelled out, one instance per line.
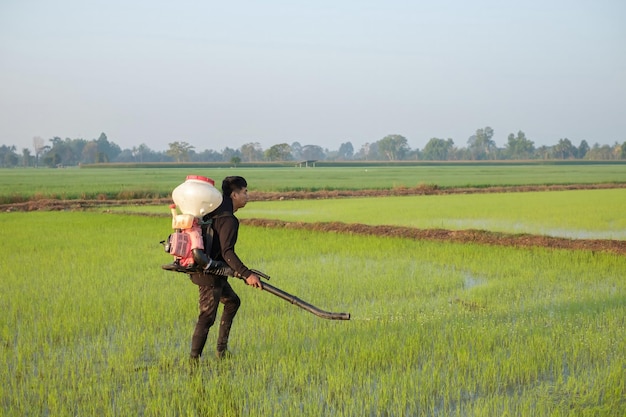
column 190, row 243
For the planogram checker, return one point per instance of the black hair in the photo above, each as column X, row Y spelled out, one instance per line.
column 233, row 183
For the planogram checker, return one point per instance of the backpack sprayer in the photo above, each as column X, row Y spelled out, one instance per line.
column 196, row 198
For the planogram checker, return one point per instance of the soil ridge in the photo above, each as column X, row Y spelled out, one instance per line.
column 458, row 236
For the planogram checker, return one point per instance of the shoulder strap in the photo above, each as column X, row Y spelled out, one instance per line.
column 207, row 234
column 207, row 230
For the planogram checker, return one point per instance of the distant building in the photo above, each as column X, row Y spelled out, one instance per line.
column 309, row 163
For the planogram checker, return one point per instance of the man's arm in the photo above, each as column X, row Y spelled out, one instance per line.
column 227, row 228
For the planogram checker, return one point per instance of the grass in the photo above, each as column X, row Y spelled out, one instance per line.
column 92, row 326
column 572, row 214
column 125, row 183
column 580, row 214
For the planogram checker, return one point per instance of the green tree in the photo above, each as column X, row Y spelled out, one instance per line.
column 437, row 149
column 564, row 149
column 141, row 153
column 481, row 145
column 365, row 152
column 89, row 152
column 229, row 153
column 518, row 147
column 179, row 151
column 371, row 151
column 8, row 157
column 346, row 151
column 40, row 147
column 251, row 152
column 102, row 158
column 393, row 147
column 109, row 148
column 65, row 151
column 599, row 153
column 296, row 151
column 211, row 156
column 312, row 152
column 280, row 152
column 543, row 152
column 52, row 159
column 27, row 158
column 582, row 150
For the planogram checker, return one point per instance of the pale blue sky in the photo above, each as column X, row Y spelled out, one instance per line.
column 217, row 74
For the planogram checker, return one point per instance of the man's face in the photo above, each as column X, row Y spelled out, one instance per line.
column 240, row 198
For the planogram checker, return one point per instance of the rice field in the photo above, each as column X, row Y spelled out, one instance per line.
column 93, row 326
column 124, row 183
column 580, row 214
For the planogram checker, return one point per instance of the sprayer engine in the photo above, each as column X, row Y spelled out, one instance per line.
column 195, row 198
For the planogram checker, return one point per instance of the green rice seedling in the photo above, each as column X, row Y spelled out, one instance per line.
column 573, row 214
column 93, row 326
column 128, row 183
column 586, row 214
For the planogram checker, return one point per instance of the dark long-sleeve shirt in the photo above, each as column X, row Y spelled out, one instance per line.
column 225, row 231
column 224, row 228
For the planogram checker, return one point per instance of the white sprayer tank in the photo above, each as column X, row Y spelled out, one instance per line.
column 197, row 196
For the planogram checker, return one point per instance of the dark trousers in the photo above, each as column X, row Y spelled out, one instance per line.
column 218, row 291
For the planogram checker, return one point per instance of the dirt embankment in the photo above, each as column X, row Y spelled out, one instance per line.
column 459, row 236
column 423, row 190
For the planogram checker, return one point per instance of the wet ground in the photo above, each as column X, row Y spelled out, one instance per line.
column 458, row 236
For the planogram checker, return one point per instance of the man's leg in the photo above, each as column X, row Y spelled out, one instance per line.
column 209, row 298
column 231, row 303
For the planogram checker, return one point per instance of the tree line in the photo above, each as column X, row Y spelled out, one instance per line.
column 480, row 146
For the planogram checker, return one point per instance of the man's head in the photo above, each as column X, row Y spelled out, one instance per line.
column 236, row 188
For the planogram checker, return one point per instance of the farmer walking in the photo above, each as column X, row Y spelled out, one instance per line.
column 214, row 289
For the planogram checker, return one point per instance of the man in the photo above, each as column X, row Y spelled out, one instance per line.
column 214, row 289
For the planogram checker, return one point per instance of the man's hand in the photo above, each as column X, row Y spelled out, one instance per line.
column 254, row 281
